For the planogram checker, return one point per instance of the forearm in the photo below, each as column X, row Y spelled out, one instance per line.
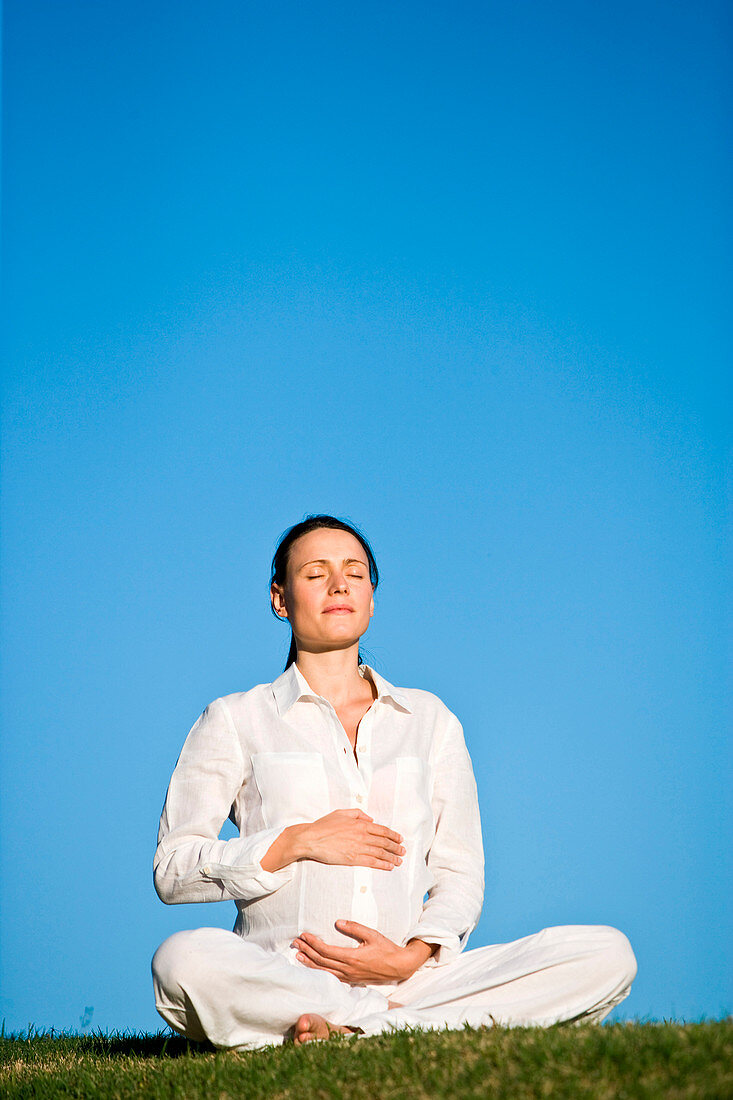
column 197, row 868
column 415, row 954
column 285, row 849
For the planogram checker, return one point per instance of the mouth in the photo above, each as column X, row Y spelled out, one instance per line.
column 338, row 609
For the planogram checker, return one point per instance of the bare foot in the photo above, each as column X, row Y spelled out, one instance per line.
column 311, row 1027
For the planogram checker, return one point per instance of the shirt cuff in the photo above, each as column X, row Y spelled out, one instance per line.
column 244, row 876
column 450, row 944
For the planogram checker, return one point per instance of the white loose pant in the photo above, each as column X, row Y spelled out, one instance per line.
column 212, row 984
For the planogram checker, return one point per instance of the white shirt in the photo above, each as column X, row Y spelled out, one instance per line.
column 278, row 754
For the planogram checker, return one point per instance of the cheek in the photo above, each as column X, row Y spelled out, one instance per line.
column 368, row 607
column 300, row 601
column 308, row 602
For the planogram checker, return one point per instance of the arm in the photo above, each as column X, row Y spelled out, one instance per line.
column 456, row 859
column 191, row 863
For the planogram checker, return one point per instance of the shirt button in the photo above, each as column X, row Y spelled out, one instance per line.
column 360, row 798
column 362, row 889
column 207, row 870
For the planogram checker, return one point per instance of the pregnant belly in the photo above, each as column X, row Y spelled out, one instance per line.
column 322, row 894
column 376, row 899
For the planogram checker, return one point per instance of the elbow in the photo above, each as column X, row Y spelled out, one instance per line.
column 163, row 889
column 472, row 892
column 164, row 884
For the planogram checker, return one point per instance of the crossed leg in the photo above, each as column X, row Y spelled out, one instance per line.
column 569, row 973
column 212, row 984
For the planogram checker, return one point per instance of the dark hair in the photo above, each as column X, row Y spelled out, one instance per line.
column 282, row 556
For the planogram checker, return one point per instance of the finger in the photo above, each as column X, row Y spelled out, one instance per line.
column 389, row 846
column 306, row 953
column 358, row 815
column 357, row 931
column 377, row 864
column 382, row 830
column 351, row 976
column 341, row 971
column 327, row 951
column 383, row 841
column 391, row 858
column 385, row 848
column 315, row 966
column 377, row 848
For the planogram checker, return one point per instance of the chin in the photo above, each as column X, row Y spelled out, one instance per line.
column 343, row 638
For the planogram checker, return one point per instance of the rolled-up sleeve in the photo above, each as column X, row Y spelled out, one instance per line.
column 455, row 860
column 191, row 863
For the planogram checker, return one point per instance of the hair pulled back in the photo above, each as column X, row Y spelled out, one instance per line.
column 281, row 558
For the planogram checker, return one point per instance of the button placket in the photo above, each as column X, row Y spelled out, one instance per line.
column 363, row 906
column 355, row 780
column 344, row 753
column 363, row 747
column 363, row 903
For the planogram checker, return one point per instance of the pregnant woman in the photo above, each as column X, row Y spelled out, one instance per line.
column 358, row 870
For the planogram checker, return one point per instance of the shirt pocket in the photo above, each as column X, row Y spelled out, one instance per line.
column 293, row 787
column 412, row 810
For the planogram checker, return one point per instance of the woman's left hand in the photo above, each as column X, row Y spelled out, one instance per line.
column 376, row 960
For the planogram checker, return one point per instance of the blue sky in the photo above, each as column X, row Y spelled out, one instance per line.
column 459, row 273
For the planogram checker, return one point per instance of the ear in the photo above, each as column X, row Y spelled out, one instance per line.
column 371, row 607
column 277, row 597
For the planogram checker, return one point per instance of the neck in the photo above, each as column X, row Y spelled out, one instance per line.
column 334, row 674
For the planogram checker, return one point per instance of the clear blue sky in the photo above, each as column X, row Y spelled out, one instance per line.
column 458, row 272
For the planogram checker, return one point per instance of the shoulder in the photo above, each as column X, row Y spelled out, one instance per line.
column 417, row 701
column 425, row 700
column 239, row 704
column 231, row 718
column 425, row 705
column 430, row 715
column 442, row 727
column 251, row 697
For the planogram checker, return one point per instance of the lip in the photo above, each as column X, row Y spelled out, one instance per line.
column 339, row 608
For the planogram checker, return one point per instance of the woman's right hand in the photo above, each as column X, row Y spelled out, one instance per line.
column 349, row 838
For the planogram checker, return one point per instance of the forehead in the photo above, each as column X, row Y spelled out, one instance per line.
column 325, row 543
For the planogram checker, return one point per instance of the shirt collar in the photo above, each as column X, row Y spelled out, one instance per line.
column 292, row 685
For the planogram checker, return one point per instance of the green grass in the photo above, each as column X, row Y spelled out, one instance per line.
column 665, row 1061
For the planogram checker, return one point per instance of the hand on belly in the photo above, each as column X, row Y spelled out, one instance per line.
column 376, row 960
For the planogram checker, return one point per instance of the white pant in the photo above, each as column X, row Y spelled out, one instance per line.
column 212, row 984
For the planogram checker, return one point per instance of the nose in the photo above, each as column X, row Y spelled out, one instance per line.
column 339, row 583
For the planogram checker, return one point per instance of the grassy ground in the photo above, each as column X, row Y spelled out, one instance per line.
column 665, row 1061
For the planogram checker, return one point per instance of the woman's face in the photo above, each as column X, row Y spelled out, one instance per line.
column 327, row 596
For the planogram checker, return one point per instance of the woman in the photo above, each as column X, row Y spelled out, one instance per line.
column 358, row 872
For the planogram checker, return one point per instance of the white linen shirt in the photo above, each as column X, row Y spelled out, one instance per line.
column 278, row 754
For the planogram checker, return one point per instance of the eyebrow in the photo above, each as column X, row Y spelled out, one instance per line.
column 326, row 561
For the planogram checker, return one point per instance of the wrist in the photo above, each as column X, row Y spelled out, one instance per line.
column 295, row 846
column 284, row 850
column 414, row 954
